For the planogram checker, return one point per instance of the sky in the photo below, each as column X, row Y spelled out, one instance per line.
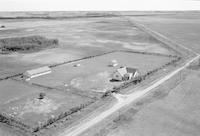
column 97, row 5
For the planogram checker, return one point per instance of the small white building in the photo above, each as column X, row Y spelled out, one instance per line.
column 125, row 73
column 77, row 65
column 113, row 63
column 36, row 72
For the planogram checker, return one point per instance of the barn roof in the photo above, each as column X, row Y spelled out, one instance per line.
column 38, row 70
column 122, row 71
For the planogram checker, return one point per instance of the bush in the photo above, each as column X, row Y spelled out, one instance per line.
column 41, row 96
column 30, row 43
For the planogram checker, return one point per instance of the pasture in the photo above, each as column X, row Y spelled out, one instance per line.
column 94, row 74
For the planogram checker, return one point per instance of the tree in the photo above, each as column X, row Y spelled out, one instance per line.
column 41, row 96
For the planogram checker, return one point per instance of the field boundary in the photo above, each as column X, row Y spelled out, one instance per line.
column 129, row 51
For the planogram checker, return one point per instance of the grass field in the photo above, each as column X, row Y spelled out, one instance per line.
column 12, row 90
column 96, row 33
column 32, row 111
column 94, row 74
column 11, row 65
column 182, row 28
column 78, row 38
column 21, row 102
column 172, row 109
column 5, row 131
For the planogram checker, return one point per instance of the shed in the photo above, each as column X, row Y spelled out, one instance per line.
column 113, row 63
column 77, row 65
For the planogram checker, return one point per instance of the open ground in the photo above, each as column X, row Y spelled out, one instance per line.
column 170, row 109
column 81, row 78
column 78, row 38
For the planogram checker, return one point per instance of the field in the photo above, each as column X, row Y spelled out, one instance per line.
column 5, row 131
column 93, row 34
column 94, row 74
column 78, row 38
column 171, row 109
column 11, row 90
column 23, row 105
column 183, row 28
column 81, row 78
column 34, row 112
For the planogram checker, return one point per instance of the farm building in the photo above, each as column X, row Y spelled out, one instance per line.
column 113, row 63
column 77, row 65
column 125, row 73
column 37, row 72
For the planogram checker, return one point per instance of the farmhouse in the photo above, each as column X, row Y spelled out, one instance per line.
column 125, row 73
column 37, row 72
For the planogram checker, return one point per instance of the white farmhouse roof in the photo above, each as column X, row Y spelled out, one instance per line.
column 37, row 72
column 122, row 71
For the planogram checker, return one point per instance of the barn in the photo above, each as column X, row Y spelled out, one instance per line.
column 37, row 72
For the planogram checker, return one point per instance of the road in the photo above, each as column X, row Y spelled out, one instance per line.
column 160, row 36
column 124, row 100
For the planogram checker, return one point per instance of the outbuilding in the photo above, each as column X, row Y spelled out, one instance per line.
column 37, row 72
column 77, row 65
column 113, row 63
